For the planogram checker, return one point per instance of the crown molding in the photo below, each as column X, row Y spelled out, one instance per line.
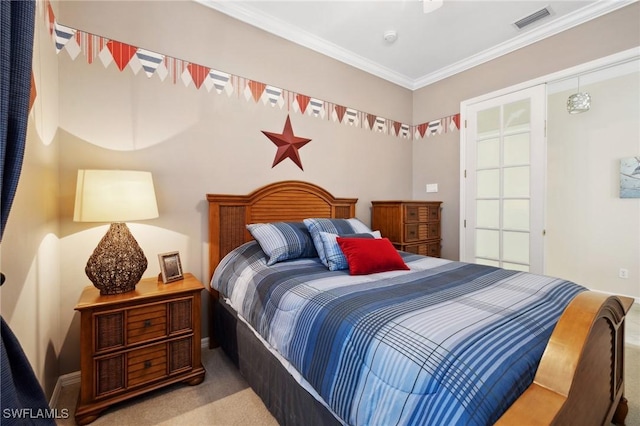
column 237, row 10
column 564, row 23
column 303, row 38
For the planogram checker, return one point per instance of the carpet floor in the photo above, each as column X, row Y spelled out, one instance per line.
column 632, row 383
column 224, row 398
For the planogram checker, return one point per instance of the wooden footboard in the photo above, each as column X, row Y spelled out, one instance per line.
column 580, row 377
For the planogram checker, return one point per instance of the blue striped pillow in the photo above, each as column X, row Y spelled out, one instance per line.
column 336, row 259
column 332, row 226
column 283, row 240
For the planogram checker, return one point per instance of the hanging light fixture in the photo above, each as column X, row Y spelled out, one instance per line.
column 579, row 102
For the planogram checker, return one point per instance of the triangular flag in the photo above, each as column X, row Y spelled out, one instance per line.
column 352, row 116
column 219, row 80
column 121, row 52
column 198, row 73
column 34, row 93
column 456, row 120
column 405, row 130
column 371, row 120
column 317, row 107
column 434, row 127
column 63, row 35
column 340, row 110
column 256, row 89
column 303, row 101
column 51, row 18
column 149, row 60
column 273, row 96
column 422, row 129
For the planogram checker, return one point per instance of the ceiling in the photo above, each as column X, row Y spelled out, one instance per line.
column 429, row 46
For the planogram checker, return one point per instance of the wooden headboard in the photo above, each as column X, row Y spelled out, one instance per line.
column 280, row 201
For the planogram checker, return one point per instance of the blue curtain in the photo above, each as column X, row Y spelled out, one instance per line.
column 22, row 400
column 17, row 21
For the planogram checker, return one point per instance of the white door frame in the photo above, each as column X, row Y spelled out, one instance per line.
column 537, row 154
column 604, row 62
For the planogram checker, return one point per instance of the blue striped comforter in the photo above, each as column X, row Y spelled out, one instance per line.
column 442, row 344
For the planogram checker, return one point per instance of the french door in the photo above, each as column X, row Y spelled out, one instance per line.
column 503, row 181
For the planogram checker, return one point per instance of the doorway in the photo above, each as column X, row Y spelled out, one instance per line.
column 503, row 181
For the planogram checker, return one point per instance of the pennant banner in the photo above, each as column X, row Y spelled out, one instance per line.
column 166, row 68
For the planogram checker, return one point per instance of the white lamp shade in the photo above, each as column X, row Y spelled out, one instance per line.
column 114, row 196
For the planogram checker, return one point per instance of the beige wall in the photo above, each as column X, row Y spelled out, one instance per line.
column 196, row 142
column 591, row 231
column 438, row 161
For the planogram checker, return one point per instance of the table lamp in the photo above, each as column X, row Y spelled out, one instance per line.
column 115, row 196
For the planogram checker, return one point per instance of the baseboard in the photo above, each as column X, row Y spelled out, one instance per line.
column 73, row 378
column 636, row 299
column 64, row 380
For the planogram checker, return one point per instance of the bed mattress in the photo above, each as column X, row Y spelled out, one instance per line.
column 442, row 343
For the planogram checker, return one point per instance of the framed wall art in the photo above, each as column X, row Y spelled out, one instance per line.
column 630, row 177
column 170, row 266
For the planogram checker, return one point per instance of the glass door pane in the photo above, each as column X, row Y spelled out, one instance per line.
column 515, row 214
column 503, row 182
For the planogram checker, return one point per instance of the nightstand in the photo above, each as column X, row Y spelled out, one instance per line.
column 412, row 226
column 136, row 342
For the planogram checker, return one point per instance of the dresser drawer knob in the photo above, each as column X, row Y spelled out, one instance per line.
column 147, row 323
column 147, row 364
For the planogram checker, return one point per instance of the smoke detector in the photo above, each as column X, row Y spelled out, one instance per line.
column 390, row 36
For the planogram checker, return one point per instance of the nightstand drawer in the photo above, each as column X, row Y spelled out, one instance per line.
column 180, row 355
column 415, row 213
column 180, row 319
column 431, row 249
column 109, row 330
column 421, row 231
column 110, row 373
column 421, row 213
column 146, row 364
column 146, row 323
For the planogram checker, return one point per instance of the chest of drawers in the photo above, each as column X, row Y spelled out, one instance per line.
column 135, row 342
column 412, row 226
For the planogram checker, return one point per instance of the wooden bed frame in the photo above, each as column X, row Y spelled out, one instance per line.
column 580, row 379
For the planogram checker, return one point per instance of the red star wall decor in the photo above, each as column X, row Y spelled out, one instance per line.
column 288, row 144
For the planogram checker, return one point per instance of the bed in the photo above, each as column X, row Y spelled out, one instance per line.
column 567, row 368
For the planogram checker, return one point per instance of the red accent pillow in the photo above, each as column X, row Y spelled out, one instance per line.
column 370, row 255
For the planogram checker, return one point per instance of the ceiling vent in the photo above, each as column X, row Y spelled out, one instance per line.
column 535, row 16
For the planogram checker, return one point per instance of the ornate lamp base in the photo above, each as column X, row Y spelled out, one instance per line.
column 117, row 263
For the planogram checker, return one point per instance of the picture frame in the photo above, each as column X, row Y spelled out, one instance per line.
column 630, row 177
column 170, row 266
